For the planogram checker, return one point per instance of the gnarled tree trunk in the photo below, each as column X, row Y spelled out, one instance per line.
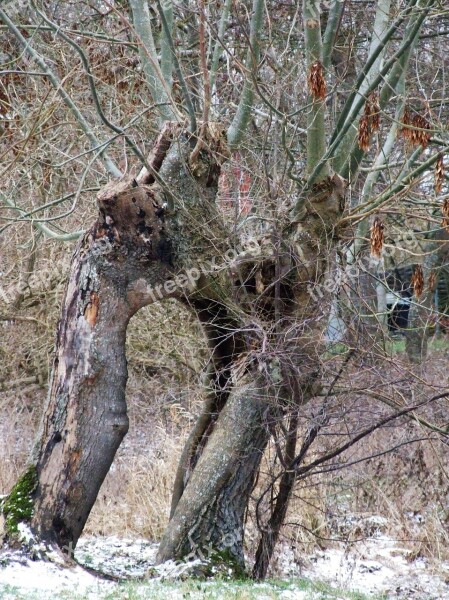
column 139, row 251
column 85, row 419
column 208, row 518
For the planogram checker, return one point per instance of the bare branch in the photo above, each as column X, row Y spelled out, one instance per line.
column 109, row 164
column 241, row 118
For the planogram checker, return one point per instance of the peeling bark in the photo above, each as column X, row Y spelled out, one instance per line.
column 146, row 234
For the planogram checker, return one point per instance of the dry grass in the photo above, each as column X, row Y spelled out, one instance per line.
column 167, row 359
column 135, row 497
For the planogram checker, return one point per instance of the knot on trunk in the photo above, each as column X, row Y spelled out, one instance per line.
column 131, row 220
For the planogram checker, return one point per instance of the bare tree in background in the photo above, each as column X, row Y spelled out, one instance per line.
column 337, row 115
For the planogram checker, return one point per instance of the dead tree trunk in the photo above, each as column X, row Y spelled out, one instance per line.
column 147, row 236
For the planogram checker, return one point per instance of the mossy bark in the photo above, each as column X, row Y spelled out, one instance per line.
column 17, row 507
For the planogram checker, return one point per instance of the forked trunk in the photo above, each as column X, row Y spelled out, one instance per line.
column 208, row 518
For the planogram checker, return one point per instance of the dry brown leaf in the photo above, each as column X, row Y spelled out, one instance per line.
column 417, row 281
column 377, row 237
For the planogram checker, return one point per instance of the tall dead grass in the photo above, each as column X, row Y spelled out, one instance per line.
column 167, row 356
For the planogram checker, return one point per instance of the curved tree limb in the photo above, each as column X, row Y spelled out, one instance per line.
column 241, row 118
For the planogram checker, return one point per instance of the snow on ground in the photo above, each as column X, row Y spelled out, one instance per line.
column 378, row 565
column 375, row 566
column 28, row 576
column 115, row 556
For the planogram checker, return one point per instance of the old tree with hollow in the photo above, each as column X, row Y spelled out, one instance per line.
column 338, row 112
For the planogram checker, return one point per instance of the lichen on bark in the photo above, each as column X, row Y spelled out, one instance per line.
column 17, row 507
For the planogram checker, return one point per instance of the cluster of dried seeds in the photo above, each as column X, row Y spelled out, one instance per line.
column 415, row 129
column 417, row 281
column 317, row 83
column 377, row 237
column 370, row 121
column 439, row 174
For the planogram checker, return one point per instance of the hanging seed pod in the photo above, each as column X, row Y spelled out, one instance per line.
column 377, row 237
column 432, row 281
column 445, row 213
column 317, row 83
column 420, row 135
column 370, row 121
column 439, row 174
column 417, row 281
column 364, row 133
column 415, row 129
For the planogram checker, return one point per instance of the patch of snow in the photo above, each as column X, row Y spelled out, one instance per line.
column 294, row 595
column 25, row 533
column 377, row 565
column 48, row 577
column 115, row 556
column 171, row 570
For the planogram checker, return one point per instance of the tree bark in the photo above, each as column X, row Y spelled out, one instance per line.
column 208, row 521
column 85, row 419
column 147, row 233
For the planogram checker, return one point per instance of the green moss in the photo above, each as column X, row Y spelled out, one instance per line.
column 17, row 507
column 222, row 564
column 225, row 558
